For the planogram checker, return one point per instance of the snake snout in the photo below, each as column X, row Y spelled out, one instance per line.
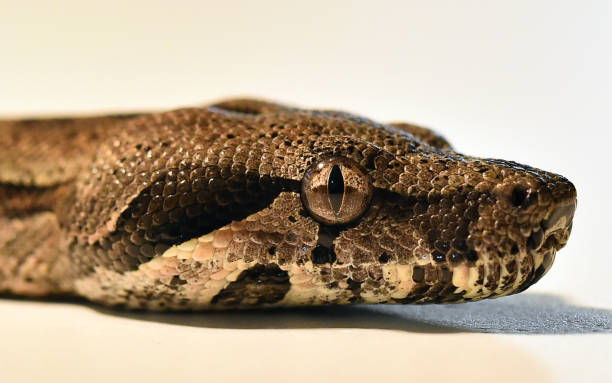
column 553, row 231
column 562, row 210
column 560, row 218
column 557, row 224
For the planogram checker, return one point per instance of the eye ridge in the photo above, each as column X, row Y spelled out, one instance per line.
column 335, row 188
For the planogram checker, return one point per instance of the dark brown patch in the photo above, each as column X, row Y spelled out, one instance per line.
column 481, row 272
column 384, row 258
column 511, row 267
column 472, row 256
column 321, row 255
column 446, row 275
column 327, row 235
column 19, row 201
column 492, row 278
column 418, row 274
column 261, row 284
column 165, row 215
column 535, row 240
column 355, row 288
column 324, row 251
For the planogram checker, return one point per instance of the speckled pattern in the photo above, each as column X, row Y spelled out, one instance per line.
column 201, row 208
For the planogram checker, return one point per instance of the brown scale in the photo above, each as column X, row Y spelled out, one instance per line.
column 136, row 185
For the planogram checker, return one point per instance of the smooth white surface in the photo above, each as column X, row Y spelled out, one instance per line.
column 522, row 80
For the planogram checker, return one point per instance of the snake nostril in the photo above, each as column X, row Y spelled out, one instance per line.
column 518, row 196
column 522, row 197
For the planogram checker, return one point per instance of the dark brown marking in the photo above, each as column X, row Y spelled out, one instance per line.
column 322, row 255
column 261, row 284
column 355, row 288
column 418, row 274
column 18, row 201
column 384, row 258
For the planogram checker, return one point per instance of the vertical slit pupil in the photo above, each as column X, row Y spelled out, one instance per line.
column 335, row 188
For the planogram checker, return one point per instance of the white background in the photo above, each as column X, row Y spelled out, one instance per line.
column 528, row 81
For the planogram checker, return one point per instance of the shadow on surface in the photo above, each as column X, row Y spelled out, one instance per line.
column 518, row 314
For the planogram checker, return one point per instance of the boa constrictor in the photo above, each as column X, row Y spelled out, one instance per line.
column 248, row 203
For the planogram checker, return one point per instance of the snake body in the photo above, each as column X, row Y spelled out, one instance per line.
column 249, row 203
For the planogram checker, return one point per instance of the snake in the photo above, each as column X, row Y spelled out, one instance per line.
column 247, row 203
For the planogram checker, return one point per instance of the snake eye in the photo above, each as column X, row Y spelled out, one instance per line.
column 336, row 191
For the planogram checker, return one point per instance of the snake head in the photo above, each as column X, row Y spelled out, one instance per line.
column 439, row 226
column 250, row 203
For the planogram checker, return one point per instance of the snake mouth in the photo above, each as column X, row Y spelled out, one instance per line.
column 553, row 232
column 554, row 242
column 551, row 236
column 560, row 218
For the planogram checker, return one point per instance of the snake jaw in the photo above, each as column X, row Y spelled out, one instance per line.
column 556, row 229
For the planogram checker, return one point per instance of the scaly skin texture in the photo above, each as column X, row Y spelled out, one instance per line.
column 201, row 208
